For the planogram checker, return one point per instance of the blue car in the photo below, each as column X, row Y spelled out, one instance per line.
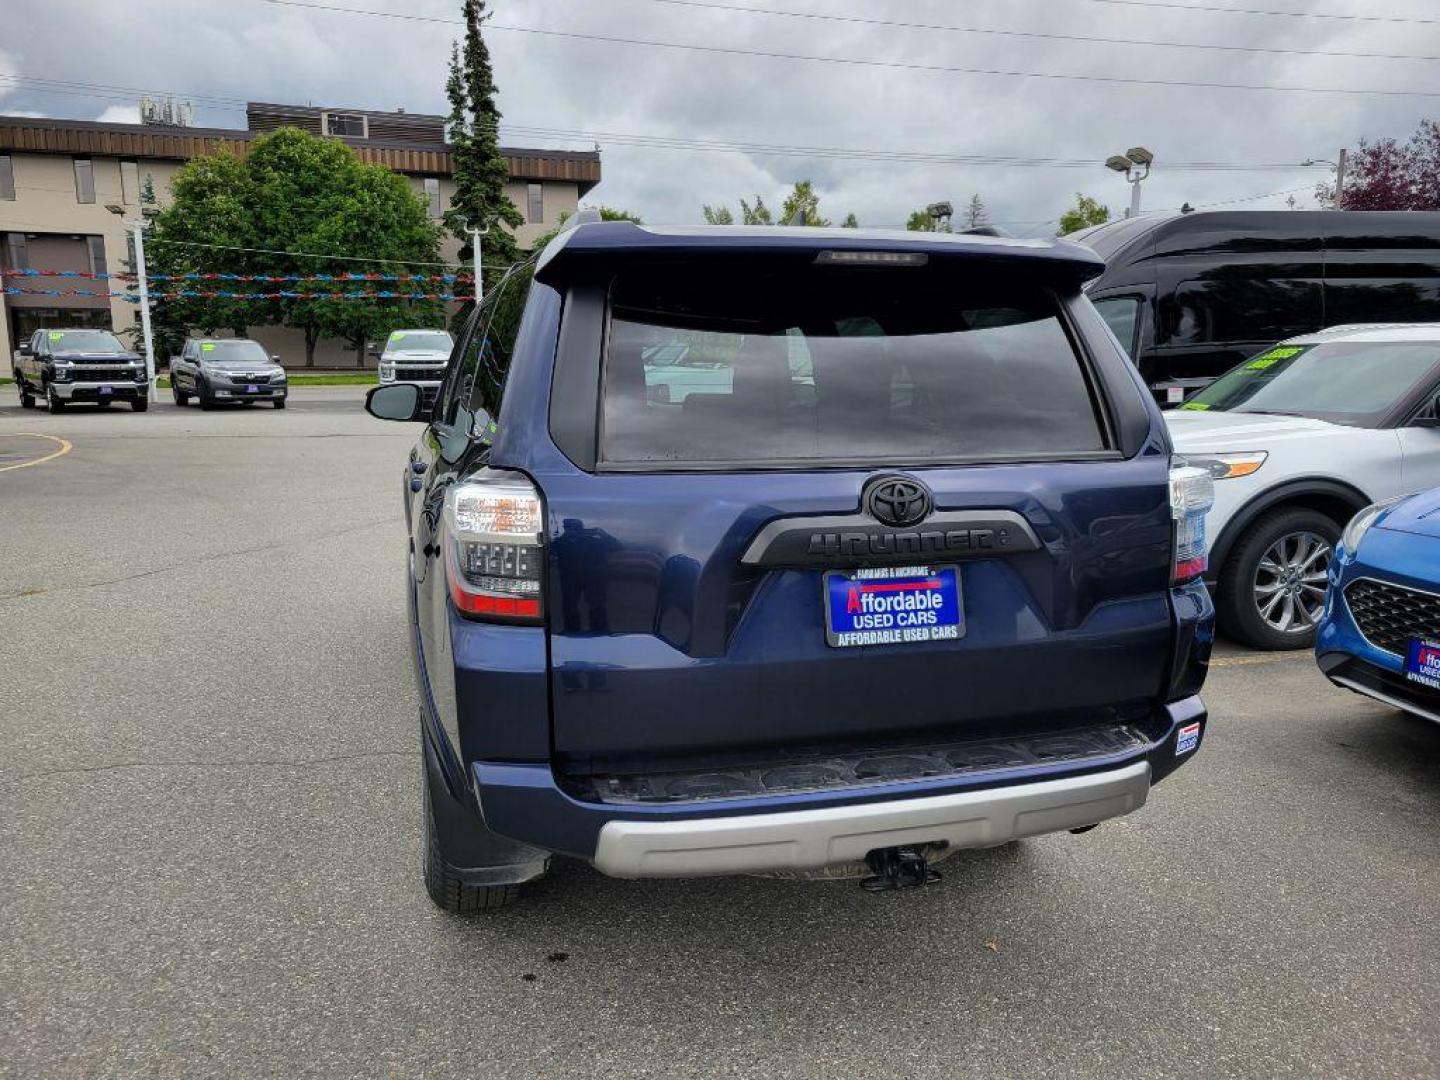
column 1380, row 631
column 917, row 574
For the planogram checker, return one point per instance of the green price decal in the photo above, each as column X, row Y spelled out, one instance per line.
column 56, row 335
column 1274, row 356
column 1195, row 406
column 209, row 346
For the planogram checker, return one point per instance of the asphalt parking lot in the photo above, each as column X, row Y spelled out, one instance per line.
column 209, row 837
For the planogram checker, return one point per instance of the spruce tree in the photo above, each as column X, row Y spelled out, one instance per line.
column 481, row 171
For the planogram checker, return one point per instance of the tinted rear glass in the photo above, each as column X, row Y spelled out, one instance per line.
column 824, row 365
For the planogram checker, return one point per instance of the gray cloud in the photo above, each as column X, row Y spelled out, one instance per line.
column 246, row 49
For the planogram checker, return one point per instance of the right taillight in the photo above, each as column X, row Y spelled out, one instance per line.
column 495, row 547
column 1192, row 493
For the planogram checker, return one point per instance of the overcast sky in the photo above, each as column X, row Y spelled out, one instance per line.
column 250, row 49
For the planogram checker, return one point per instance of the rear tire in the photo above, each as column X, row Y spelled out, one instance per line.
column 27, row 401
column 1246, row 588
column 447, row 889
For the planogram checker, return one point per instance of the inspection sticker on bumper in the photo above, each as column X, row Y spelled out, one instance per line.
column 1187, row 738
column 1422, row 663
column 893, row 605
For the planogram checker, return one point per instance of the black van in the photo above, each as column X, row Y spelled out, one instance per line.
column 1191, row 295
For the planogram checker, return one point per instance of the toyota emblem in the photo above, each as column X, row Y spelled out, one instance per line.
column 898, row 501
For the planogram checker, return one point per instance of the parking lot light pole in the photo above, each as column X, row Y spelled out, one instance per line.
column 137, row 231
column 475, row 235
column 1134, row 165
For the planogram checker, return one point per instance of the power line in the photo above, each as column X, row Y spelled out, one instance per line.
column 1085, row 39
column 891, row 65
column 1266, row 11
column 665, row 142
column 683, row 143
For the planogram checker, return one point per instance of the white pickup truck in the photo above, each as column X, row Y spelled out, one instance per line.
column 415, row 356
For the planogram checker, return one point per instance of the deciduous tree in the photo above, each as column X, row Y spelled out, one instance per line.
column 1085, row 213
column 1389, row 175
column 302, row 205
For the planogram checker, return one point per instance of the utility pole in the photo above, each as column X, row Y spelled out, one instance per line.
column 475, row 235
column 137, row 229
column 1340, row 182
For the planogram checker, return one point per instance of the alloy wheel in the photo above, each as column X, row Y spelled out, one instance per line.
column 1289, row 586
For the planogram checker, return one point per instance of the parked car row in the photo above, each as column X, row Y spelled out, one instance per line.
column 61, row 366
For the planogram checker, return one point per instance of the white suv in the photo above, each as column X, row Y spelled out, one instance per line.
column 1298, row 439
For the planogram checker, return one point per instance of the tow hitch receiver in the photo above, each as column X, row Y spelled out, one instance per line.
column 897, row 868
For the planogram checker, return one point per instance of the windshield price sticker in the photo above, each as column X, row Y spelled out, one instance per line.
column 209, row 346
column 1274, row 356
column 1422, row 663
column 56, row 335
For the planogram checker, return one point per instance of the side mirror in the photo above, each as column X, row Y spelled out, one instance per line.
column 274, row 359
column 26, row 350
column 395, row 401
column 373, row 349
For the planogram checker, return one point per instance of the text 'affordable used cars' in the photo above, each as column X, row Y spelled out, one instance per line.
column 791, row 549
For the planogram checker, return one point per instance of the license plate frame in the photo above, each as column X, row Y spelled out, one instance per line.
column 901, row 600
column 1422, row 662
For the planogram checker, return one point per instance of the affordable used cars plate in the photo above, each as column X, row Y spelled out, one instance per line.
column 1422, row 663
column 893, row 605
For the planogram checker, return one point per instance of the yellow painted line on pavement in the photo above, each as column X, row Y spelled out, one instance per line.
column 64, row 449
column 1268, row 658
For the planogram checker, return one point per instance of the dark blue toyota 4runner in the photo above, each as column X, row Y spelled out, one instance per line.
column 765, row 550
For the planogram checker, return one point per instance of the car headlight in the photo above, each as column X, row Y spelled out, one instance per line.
column 1361, row 522
column 1229, row 466
column 278, row 375
column 62, row 371
column 387, row 371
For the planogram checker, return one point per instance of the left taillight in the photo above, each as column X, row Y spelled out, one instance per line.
column 495, row 547
column 1192, row 494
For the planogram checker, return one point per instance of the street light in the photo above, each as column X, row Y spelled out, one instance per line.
column 137, row 230
column 1339, row 167
column 1134, row 164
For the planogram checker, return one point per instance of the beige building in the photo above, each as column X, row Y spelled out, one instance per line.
column 59, row 177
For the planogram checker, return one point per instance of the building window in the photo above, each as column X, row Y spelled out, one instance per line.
column 432, row 195
column 16, row 256
column 130, row 182
column 84, row 181
column 345, row 125
column 7, row 177
column 96, row 244
column 535, row 203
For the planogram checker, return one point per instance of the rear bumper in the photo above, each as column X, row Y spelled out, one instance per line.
column 524, row 802
column 810, row 839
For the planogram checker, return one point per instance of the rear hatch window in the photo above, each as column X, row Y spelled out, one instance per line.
column 818, row 365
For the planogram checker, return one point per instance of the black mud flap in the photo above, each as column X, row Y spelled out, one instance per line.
column 898, row 868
